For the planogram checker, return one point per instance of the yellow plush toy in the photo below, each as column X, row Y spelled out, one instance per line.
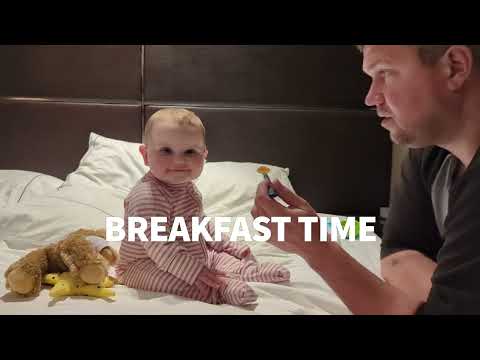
column 67, row 284
column 84, row 253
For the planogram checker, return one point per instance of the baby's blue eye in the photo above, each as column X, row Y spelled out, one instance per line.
column 165, row 151
column 190, row 152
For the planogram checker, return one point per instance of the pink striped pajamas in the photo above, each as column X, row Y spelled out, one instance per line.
column 173, row 267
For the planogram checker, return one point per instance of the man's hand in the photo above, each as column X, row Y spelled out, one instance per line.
column 297, row 207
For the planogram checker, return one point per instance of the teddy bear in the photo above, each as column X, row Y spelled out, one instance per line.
column 84, row 253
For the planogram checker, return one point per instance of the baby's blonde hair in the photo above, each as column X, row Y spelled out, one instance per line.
column 181, row 117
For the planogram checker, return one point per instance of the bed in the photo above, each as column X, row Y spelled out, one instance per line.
column 73, row 153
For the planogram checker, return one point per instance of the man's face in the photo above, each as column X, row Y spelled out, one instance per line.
column 175, row 154
column 407, row 94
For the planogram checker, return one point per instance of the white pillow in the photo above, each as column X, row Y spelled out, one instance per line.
column 112, row 164
column 42, row 220
column 20, row 185
column 228, row 188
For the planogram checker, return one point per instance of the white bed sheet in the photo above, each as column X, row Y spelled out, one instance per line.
column 21, row 185
column 45, row 218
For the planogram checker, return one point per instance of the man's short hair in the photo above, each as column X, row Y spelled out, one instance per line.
column 430, row 54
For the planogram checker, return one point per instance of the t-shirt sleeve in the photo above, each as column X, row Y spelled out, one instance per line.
column 411, row 223
column 456, row 280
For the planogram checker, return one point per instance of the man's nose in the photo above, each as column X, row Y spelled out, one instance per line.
column 374, row 97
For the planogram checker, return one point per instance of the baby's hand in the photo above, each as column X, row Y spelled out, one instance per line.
column 209, row 279
column 245, row 254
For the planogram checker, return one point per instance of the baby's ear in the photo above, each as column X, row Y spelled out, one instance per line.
column 143, row 150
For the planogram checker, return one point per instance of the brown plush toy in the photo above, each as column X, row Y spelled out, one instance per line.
column 76, row 253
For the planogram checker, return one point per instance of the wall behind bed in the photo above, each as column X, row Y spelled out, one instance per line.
column 52, row 96
column 295, row 106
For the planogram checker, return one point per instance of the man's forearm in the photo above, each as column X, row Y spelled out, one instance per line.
column 409, row 271
column 360, row 290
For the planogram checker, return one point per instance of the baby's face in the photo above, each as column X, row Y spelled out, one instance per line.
column 175, row 154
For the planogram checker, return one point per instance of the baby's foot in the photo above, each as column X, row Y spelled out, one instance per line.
column 266, row 272
column 237, row 292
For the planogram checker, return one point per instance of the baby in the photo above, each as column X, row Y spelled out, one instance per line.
column 211, row 271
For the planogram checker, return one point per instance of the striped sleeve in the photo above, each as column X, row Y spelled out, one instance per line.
column 169, row 256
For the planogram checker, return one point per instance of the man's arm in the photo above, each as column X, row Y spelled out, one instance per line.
column 410, row 271
column 361, row 291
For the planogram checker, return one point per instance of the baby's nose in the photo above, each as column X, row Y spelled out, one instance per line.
column 179, row 159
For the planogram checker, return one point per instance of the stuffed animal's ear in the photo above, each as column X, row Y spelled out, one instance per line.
column 101, row 233
column 68, row 261
column 110, row 255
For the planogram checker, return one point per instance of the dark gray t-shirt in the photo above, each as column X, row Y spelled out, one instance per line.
column 438, row 214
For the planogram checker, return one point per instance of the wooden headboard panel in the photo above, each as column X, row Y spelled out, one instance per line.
column 295, row 106
column 51, row 137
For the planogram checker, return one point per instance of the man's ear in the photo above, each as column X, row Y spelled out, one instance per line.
column 144, row 151
column 205, row 154
column 457, row 62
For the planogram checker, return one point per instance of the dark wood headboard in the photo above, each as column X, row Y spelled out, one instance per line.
column 294, row 106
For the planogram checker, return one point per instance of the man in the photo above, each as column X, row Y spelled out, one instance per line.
column 428, row 97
